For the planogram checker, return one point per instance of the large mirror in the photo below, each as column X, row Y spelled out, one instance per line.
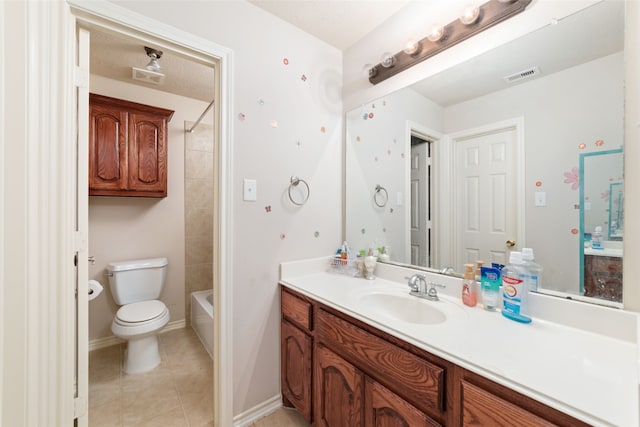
column 483, row 158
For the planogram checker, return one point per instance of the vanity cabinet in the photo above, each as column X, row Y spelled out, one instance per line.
column 127, row 148
column 296, row 349
column 603, row 277
column 339, row 371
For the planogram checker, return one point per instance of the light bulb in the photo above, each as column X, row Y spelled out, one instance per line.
column 412, row 46
column 387, row 60
column 470, row 14
column 369, row 70
column 436, row 33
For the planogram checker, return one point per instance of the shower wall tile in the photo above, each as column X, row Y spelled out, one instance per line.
column 198, row 165
column 199, row 277
column 199, row 193
column 199, row 222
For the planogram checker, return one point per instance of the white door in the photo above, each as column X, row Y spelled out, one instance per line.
column 420, row 197
column 82, row 229
column 486, row 209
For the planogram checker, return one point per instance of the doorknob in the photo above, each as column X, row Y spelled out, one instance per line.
column 510, row 243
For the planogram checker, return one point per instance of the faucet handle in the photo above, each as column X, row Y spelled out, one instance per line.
column 432, row 292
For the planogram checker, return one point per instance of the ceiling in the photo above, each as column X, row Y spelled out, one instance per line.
column 342, row 23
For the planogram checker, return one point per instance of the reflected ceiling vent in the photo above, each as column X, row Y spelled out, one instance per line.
column 522, row 75
column 151, row 73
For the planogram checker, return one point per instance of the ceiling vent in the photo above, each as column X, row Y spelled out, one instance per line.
column 147, row 76
column 522, row 75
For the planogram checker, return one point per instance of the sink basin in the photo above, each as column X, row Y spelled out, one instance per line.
column 405, row 308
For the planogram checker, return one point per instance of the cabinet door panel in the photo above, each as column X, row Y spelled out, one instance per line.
column 384, row 408
column 107, row 148
column 297, row 368
column 147, row 153
column 338, row 399
column 482, row 408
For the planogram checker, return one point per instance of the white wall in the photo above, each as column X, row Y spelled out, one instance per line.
column 308, row 111
column 124, row 228
column 588, row 109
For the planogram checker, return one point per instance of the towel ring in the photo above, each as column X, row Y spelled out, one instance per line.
column 294, row 183
column 380, row 190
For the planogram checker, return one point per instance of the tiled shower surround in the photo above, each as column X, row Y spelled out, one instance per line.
column 198, row 208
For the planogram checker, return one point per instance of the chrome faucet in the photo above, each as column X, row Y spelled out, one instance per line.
column 446, row 270
column 420, row 288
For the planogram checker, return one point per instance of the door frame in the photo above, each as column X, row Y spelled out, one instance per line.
column 438, row 148
column 110, row 17
column 516, row 124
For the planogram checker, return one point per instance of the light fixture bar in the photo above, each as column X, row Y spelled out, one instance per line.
column 491, row 13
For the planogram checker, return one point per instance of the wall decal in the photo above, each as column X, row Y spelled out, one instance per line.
column 303, row 78
column 358, row 138
column 323, row 129
column 363, row 231
column 365, row 116
column 316, row 234
column 267, row 208
column 574, row 231
column 241, row 117
column 371, row 115
column 274, row 123
column 599, row 143
column 261, row 102
column 285, row 61
column 389, row 152
column 282, row 236
column 572, row 178
column 390, row 210
column 582, row 146
column 538, row 183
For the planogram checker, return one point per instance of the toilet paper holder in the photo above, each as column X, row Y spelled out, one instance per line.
column 94, row 289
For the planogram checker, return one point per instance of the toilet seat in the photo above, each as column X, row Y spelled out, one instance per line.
column 139, row 313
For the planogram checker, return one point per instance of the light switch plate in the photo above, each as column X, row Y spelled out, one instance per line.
column 250, row 190
column 541, row 198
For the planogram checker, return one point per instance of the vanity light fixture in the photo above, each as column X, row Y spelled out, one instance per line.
column 475, row 19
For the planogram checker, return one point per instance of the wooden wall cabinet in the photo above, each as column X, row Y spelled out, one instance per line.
column 338, row 371
column 127, row 148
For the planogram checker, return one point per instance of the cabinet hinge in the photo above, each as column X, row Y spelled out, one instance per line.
column 79, row 407
column 81, row 77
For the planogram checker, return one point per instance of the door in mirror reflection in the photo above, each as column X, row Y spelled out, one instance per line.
column 487, row 213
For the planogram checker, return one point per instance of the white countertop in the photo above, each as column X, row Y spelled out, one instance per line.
column 588, row 375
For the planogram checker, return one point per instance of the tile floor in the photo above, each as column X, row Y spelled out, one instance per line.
column 179, row 392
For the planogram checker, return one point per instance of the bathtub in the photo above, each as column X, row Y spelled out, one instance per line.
column 202, row 317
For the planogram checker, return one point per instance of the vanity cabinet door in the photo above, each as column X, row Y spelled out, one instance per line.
column 296, row 360
column 383, row 408
column 108, row 162
column 147, row 153
column 339, row 392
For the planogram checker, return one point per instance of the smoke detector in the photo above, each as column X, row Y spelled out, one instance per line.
column 522, row 75
column 151, row 73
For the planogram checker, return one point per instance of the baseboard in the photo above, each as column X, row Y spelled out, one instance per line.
column 113, row 340
column 261, row 410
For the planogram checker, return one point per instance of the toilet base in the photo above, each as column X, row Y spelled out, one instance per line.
column 142, row 355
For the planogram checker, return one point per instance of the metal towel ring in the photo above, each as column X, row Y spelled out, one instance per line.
column 294, row 183
column 379, row 190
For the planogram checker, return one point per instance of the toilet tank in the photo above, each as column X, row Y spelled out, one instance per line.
column 137, row 280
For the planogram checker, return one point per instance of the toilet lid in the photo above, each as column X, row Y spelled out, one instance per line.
column 141, row 311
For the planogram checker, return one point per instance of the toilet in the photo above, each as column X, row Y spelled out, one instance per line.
column 136, row 286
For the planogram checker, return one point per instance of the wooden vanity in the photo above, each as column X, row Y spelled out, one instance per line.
column 340, row 371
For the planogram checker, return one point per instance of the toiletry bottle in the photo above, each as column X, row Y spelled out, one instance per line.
column 534, row 270
column 490, row 287
column 469, row 286
column 478, row 272
column 514, row 290
column 596, row 238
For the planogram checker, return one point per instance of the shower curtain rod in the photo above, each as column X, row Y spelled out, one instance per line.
column 201, row 117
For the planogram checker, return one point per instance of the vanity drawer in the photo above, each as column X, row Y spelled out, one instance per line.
column 414, row 379
column 297, row 310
